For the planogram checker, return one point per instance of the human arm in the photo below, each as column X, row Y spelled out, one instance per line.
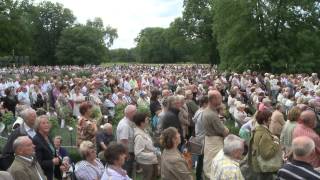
column 139, row 150
column 268, row 146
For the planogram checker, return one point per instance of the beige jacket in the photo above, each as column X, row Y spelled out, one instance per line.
column 144, row 150
column 277, row 123
column 22, row 169
column 174, row 166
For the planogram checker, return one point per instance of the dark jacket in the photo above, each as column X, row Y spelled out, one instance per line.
column 171, row 119
column 7, row 156
column 45, row 155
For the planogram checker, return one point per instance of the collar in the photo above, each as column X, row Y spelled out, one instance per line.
column 27, row 128
column 301, row 163
column 26, row 158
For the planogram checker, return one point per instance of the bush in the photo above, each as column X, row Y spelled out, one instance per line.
column 8, row 119
column 119, row 114
column 84, row 74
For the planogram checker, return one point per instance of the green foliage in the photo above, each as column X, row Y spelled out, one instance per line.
column 54, row 125
column 84, row 74
column 122, row 55
column 119, row 114
column 8, row 119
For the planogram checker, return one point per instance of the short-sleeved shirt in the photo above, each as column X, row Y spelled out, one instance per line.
column 125, row 131
column 298, row 170
column 213, row 126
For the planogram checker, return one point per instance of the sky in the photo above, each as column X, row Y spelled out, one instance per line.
column 129, row 17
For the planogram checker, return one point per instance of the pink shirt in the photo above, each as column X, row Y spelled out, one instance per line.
column 302, row 130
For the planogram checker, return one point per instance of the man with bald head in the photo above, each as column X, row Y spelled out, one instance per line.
column 24, row 165
column 215, row 130
column 308, row 121
column 104, row 137
column 300, row 167
column 125, row 135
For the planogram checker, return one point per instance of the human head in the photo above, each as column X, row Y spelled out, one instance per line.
column 233, row 146
column 23, row 146
column 155, row 95
column 165, row 93
column 140, row 119
column 87, row 150
column 42, row 124
column 107, row 127
column 170, row 138
column 188, row 94
column 308, row 118
column 130, row 111
column 173, row 102
column 29, row 116
column 302, row 147
column 215, row 98
column 294, row 113
column 57, row 141
column 203, row 101
column 263, row 117
column 85, row 109
column 115, row 154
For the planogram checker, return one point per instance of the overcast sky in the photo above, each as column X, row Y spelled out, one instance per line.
column 127, row 16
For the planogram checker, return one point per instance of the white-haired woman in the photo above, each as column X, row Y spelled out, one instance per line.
column 45, row 151
column 90, row 168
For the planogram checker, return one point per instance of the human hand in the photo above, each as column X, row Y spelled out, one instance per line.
column 55, row 161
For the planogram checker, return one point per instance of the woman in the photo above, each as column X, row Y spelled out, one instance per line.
column 144, row 150
column 77, row 98
column 63, row 105
column 86, row 128
column 154, row 102
column 286, row 133
column 173, row 165
column 45, row 150
column 90, row 168
column 115, row 156
column 265, row 146
column 10, row 101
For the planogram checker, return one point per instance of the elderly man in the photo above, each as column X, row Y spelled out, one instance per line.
column 125, row 135
column 24, row 165
column 170, row 117
column 215, row 130
column 26, row 129
column 300, row 167
column 308, row 122
column 225, row 165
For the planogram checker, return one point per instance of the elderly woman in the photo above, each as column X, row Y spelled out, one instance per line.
column 144, row 150
column 45, row 150
column 90, row 168
column 86, row 128
column 240, row 114
column 115, row 156
column 173, row 165
column 286, row 133
column 265, row 147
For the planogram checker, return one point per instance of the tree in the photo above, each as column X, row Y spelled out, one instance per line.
column 15, row 27
column 50, row 20
column 152, row 46
column 198, row 19
column 84, row 44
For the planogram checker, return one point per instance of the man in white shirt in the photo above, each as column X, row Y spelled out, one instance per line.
column 25, row 165
column 125, row 135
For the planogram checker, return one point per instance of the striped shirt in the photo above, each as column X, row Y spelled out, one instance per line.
column 298, row 170
column 87, row 171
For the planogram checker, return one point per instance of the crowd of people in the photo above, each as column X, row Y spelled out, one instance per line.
column 187, row 106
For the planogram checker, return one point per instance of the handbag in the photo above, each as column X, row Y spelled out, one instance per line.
column 271, row 165
column 195, row 146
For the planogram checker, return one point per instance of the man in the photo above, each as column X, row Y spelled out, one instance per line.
column 215, row 130
column 125, row 136
column 300, row 167
column 171, row 117
column 24, row 165
column 308, row 121
column 104, row 137
column 26, row 129
column 225, row 165
column 23, row 97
